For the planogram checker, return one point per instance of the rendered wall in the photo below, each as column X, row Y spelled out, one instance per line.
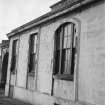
column 62, row 89
column 92, row 56
column 22, row 61
column 91, row 77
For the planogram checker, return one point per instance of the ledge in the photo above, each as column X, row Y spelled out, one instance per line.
column 13, row 72
column 64, row 77
column 31, row 74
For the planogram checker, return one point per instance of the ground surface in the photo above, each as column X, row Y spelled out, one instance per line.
column 9, row 101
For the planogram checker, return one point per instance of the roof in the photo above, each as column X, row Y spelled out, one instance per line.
column 63, row 4
column 5, row 43
column 52, row 14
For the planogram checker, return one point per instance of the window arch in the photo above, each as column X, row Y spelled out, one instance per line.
column 65, row 51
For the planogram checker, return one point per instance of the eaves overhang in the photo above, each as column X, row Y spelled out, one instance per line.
column 48, row 16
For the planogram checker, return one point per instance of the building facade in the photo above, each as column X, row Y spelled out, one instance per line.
column 4, row 47
column 59, row 58
column 0, row 62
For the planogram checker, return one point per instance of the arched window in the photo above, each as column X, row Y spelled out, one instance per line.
column 65, row 51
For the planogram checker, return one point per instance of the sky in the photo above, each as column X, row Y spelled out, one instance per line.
column 14, row 13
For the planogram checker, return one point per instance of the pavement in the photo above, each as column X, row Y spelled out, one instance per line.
column 10, row 101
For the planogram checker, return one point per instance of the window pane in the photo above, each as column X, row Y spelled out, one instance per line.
column 57, row 57
column 35, row 44
column 32, row 63
column 66, row 30
column 67, row 36
column 63, row 61
column 73, row 61
column 57, row 42
column 14, row 55
column 66, row 61
column 61, row 38
column 13, row 63
column 15, row 47
column 32, row 38
column 70, row 29
column 69, row 57
column 65, row 42
column 69, row 42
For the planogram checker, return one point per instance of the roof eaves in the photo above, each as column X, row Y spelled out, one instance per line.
column 55, row 4
column 46, row 17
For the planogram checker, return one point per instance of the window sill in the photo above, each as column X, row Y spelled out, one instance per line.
column 64, row 77
column 32, row 74
column 13, row 72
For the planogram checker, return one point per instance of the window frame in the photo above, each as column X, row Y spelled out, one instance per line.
column 32, row 53
column 13, row 68
column 59, row 75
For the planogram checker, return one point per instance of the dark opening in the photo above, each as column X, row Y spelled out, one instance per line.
column 4, row 70
column 56, row 104
column 32, row 53
column 14, row 56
